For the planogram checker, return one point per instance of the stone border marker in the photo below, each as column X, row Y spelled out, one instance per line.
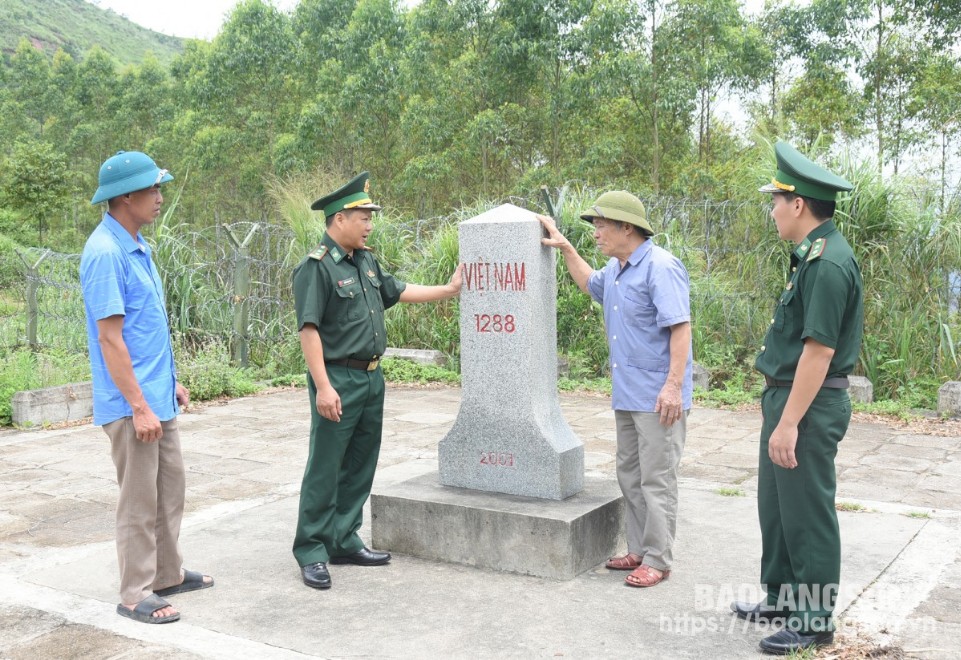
column 510, row 436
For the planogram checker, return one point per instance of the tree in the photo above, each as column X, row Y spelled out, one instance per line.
column 144, row 102
column 936, row 95
column 38, row 184
column 722, row 49
column 29, row 83
column 242, row 96
column 889, row 66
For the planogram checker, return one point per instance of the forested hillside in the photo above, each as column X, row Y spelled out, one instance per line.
column 454, row 100
column 76, row 26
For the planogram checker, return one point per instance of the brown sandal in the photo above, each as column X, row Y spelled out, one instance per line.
column 626, row 562
column 644, row 576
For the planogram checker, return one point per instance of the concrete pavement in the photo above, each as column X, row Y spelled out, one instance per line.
column 900, row 491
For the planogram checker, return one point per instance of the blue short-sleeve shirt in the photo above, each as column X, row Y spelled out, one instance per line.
column 118, row 277
column 641, row 302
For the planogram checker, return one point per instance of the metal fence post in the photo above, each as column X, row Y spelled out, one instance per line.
column 554, row 206
column 33, row 284
column 239, row 339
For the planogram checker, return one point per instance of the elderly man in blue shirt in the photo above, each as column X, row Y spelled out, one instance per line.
column 645, row 293
column 136, row 396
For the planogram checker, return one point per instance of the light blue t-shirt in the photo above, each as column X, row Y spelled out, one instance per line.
column 118, row 277
column 641, row 301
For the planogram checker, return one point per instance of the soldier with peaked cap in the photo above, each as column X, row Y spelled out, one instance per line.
column 136, row 396
column 645, row 293
column 340, row 294
column 811, row 347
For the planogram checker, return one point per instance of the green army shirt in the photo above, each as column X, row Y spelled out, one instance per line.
column 822, row 300
column 345, row 298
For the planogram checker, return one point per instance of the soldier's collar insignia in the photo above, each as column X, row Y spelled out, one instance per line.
column 802, row 248
column 817, row 249
column 335, row 253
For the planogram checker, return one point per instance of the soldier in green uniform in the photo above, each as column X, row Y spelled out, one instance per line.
column 811, row 346
column 341, row 293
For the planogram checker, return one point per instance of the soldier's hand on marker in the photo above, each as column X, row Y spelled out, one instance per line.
column 146, row 425
column 669, row 404
column 182, row 394
column 328, row 403
column 781, row 445
column 457, row 279
column 555, row 238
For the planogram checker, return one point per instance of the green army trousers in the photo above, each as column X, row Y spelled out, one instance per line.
column 340, row 466
column 801, row 542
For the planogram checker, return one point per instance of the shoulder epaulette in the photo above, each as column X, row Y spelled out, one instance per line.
column 817, row 249
column 318, row 253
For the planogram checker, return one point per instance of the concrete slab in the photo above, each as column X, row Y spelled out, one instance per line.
column 548, row 538
column 58, row 574
column 418, row 608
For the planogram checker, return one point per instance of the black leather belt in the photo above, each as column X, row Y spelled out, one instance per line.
column 351, row 363
column 840, row 383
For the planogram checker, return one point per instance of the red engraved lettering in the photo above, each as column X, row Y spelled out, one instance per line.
column 497, row 459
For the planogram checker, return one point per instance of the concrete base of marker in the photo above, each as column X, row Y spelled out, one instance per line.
column 547, row 538
column 51, row 405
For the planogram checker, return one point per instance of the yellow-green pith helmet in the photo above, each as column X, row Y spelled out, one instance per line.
column 621, row 206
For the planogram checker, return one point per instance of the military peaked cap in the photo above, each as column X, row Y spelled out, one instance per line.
column 352, row 195
column 801, row 176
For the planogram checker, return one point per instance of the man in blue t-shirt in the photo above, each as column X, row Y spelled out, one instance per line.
column 645, row 293
column 136, row 396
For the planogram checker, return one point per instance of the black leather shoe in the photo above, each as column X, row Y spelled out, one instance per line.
column 785, row 642
column 365, row 557
column 757, row 611
column 316, row 575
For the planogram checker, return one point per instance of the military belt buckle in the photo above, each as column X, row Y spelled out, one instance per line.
column 372, row 365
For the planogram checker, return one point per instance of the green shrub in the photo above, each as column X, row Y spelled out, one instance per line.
column 208, row 374
column 404, row 371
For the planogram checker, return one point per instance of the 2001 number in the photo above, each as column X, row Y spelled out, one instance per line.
column 497, row 459
column 495, row 323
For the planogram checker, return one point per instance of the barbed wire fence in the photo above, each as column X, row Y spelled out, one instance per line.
column 230, row 283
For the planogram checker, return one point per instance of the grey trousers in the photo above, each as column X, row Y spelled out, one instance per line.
column 648, row 455
column 150, row 508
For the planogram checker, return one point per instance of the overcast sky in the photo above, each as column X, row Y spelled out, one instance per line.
column 200, row 19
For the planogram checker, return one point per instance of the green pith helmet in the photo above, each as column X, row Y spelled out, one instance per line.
column 621, row 206
column 352, row 195
column 127, row 172
column 801, row 176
